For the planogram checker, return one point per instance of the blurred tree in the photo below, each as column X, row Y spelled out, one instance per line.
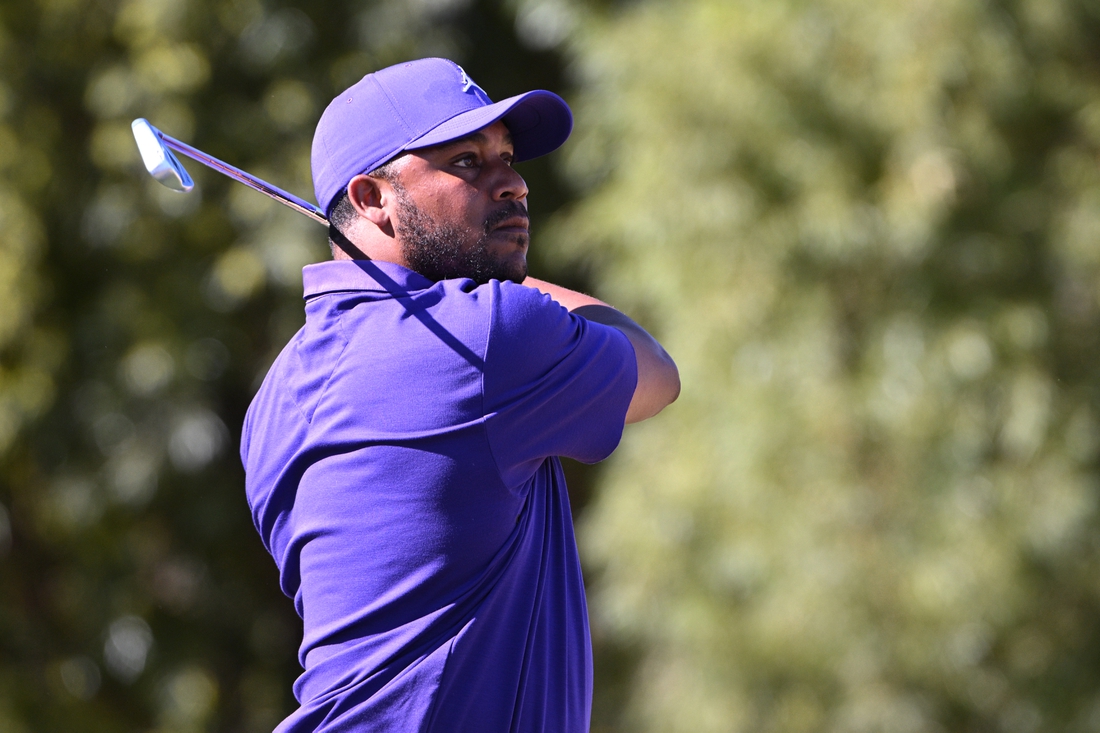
column 868, row 231
column 135, row 324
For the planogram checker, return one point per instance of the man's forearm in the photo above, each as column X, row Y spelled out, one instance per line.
column 658, row 377
column 569, row 299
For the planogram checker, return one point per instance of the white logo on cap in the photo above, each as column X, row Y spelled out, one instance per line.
column 468, row 84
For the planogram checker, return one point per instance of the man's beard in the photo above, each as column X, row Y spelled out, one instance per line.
column 436, row 250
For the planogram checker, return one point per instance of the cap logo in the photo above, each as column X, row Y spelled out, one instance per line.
column 469, row 86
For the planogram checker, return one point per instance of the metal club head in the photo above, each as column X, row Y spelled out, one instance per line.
column 159, row 160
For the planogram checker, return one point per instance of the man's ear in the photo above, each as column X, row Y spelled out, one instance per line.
column 369, row 197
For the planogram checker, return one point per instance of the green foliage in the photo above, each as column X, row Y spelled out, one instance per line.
column 867, row 231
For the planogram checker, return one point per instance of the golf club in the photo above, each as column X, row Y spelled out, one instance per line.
column 156, row 152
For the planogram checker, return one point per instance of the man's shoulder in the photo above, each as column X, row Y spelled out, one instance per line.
column 505, row 308
column 458, row 318
column 518, row 309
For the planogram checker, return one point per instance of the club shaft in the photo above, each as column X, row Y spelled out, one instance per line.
column 289, row 199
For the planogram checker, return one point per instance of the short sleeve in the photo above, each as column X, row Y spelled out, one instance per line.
column 556, row 384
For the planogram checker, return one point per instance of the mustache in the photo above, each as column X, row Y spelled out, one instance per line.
column 509, row 210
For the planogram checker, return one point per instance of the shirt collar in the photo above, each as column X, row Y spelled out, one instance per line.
column 337, row 275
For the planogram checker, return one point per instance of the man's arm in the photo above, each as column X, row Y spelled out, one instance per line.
column 658, row 378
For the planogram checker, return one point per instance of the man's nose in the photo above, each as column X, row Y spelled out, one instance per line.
column 510, row 184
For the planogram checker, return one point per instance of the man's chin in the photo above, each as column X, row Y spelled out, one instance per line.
column 514, row 270
column 518, row 278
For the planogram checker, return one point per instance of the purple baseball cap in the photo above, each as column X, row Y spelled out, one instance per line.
column 418, row 104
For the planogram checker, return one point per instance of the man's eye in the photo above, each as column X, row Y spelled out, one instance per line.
column 466, row 161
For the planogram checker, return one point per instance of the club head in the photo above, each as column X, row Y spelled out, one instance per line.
column 159, row 160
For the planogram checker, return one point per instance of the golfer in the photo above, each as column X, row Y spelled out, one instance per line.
column 402, row 453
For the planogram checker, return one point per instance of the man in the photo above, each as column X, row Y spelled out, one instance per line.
column 401, row 455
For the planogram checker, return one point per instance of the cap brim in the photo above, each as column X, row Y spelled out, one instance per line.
column 539, row 122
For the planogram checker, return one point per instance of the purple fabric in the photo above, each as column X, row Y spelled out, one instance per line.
column 401, row 463
column 418, row 104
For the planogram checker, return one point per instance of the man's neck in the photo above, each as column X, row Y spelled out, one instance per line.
column 343, row 248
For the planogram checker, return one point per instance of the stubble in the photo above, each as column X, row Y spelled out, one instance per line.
column 438, row 250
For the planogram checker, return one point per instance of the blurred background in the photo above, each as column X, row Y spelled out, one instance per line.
column 868, row 231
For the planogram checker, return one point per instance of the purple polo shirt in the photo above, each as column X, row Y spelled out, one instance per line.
column 401, row 461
